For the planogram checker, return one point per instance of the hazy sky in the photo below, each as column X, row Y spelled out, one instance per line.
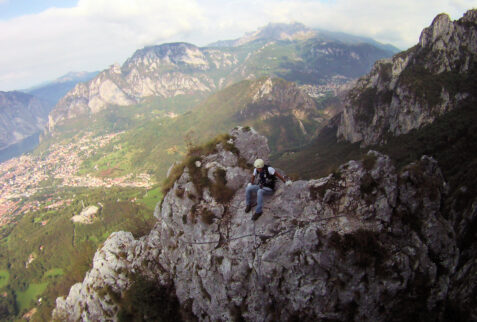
column 43, row 39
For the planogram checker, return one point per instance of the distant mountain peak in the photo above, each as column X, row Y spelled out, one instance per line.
column 298, row 31
column 272, row 31
column 180, row 68
column 75, row 77
column 163, row 50
column 281, row 31
column 178, row 53
column 21, row 115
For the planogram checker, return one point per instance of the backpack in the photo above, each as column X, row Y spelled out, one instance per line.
column 266, row 179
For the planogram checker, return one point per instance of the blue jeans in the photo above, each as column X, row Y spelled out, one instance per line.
column 265, row 191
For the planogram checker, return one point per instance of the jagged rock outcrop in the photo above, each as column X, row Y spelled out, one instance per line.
column 367, row 242
column 416, row 86
column 21, row 115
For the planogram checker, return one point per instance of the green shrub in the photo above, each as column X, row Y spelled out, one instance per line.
column 219, row 189
column 367, row 186
column 369, row 160
column 146, row 300
column 180, row 192
column 366, row 105
column 198, row 174
column 365, row 247
column 425, row 85
column 207, row 216
column 8, row 305
column 386, row 71
column 175, row 174
column 318, row 191
column 211, row 146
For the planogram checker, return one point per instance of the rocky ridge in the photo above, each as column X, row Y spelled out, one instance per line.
column 366, row 242
column 163, row 71
column 415, row 87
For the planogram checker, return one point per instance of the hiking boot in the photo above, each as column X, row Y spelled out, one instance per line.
column 253, row 204
column 256, row 216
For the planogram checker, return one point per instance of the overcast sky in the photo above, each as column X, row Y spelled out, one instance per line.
column 43, row 39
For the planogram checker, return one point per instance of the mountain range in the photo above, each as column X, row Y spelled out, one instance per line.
column 21, row 115
column 382, row 238
column 24, row 114
column 298, row 31
column 381, row 235
column 176, row 96
column 292, row 52
column 54, row 90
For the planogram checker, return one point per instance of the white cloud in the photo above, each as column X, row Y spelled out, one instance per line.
column 97, row 33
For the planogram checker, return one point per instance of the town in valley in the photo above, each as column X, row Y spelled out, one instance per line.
column 28, row 175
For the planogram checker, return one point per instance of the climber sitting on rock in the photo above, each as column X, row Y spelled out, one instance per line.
column 266, row 184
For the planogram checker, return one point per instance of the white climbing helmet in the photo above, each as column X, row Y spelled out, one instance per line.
column 258, row 163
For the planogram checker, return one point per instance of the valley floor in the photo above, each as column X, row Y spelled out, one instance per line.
column 27, row 175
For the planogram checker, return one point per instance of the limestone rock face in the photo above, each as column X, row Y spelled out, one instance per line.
column 121, row 256
column 415, row 87
column 366, row 242
column 86, row 216
column 273, row 97
column 163, row 71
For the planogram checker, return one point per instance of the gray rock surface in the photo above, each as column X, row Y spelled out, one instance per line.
column 366, row 242
column 414, row 87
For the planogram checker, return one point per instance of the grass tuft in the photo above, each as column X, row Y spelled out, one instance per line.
column 369, row 160
column 198, row 174
column 175, row 174
column 219, row 189
column 180, row 192
column 207, row 216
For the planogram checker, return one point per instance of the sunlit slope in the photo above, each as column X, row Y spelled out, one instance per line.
column 276, row 108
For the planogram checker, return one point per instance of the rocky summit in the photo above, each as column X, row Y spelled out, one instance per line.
column 415, row 87
column 367, row 242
